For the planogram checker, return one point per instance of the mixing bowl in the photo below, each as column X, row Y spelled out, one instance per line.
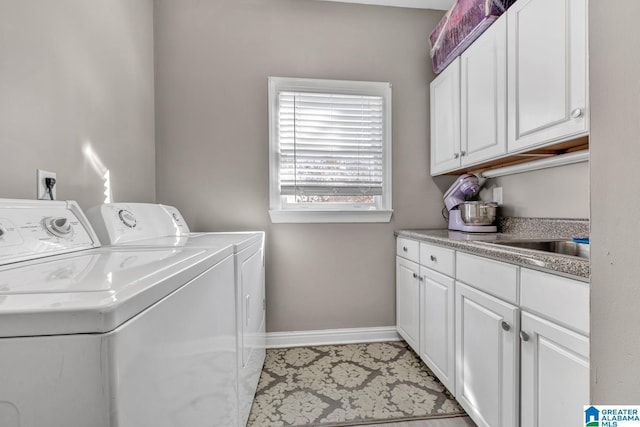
column 478, row 213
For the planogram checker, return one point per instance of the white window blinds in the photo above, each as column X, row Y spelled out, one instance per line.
column 330, row 144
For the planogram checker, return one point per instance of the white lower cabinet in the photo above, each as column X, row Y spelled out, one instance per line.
column 555, row 374
column 408, row 301
column 437, row 346
column 554, row 349
column 510, row 343
column 486, row 357
column 425, row 305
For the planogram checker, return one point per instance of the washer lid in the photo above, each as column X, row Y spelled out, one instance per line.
column 95, row 290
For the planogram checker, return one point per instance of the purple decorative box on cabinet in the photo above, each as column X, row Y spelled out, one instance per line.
column 460, row 26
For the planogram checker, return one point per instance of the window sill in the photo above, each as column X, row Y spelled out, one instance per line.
column 309, row 216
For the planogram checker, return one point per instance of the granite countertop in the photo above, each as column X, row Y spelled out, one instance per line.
column 521, row 230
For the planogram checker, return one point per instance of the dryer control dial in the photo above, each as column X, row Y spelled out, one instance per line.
column 59, row 227
column 127, row 218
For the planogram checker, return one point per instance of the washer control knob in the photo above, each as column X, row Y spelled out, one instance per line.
column 59, row 227
column 127, row 218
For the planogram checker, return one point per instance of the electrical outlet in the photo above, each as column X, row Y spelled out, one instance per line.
column 497, row 195
column 42, row 190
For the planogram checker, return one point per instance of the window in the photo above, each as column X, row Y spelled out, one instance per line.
column 330, row 150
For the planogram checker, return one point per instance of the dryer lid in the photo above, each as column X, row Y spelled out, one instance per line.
column 238, row 241
column 125, row 223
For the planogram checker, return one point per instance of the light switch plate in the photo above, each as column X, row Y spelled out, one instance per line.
column 497, row 195
column 42, row 191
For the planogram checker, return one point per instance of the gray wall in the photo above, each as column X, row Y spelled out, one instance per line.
column 212, row 63
column 558, row 192
column 615, row 202
column 75, row 72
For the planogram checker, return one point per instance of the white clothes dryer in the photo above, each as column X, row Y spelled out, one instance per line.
column 154, row 225
column 106, row 337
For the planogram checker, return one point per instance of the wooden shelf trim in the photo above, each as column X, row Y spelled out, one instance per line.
column 571, row 146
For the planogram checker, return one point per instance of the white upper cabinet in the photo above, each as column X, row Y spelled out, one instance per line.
column 547, row 72
column 521, row 85
column 445, row 120
column 483, row 91
column 468, row 104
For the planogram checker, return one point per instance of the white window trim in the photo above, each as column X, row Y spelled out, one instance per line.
column 307, row 215
column 317, row 216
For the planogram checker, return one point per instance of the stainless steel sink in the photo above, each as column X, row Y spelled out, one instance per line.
column 562, row 247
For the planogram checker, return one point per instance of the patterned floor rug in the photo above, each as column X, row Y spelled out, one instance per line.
column 338, row 385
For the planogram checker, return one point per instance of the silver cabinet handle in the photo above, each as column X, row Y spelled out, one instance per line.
column 433, row 258
column 524, row 336
column 247, row 307
column 463, row 153
column 415, row 275
column 404, row 248
column 505, row 326
column 576, row 113
column 456, row 155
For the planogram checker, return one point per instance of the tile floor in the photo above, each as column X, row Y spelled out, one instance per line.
column 317, row 384
column 445, row 422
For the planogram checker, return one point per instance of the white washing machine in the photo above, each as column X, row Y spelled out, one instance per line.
column 104, row 337
column 153, row 225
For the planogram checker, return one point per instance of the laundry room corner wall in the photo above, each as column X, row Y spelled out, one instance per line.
column 615, row 160
column 213, row 59
column 76, row 98
column 558, row 192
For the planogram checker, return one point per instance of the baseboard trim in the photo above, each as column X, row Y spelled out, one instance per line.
column 331, row 336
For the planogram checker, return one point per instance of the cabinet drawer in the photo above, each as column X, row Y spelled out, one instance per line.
column 559, row 299
column 493, row 277
column 437, row 258
column 407, row 248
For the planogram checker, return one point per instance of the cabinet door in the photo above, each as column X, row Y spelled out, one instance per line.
column 445, row 120
column 486, row 357
column 408, row 302
column 437, row 337
column 555, row 374
column 483, row 92
column 547, row 72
